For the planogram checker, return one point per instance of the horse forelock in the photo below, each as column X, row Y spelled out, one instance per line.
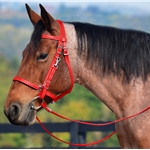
column 36, row 35
column 113, row 50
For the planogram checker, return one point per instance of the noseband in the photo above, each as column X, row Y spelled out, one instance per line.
column 43, row 89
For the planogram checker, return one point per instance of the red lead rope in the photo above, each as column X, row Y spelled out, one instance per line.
column 44, row 105
column 73, row 144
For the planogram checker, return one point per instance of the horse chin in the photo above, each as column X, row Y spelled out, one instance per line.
column 32, row 122
column 27, row 119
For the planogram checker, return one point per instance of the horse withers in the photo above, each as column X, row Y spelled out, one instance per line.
column 112, row 63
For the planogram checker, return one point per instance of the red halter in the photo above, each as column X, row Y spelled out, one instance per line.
column 43, row 89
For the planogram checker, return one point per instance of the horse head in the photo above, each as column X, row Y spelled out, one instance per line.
column 36, row 60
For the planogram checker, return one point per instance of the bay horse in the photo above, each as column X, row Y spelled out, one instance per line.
column 112, row 63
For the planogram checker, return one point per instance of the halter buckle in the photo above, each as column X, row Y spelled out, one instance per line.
column 57, row 62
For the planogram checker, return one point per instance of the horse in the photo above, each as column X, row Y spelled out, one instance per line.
column 112, row 63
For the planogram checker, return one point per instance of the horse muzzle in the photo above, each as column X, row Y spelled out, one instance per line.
column 21, row 115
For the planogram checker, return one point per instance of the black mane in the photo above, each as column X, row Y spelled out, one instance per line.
column 112, row 50
column 115, row 50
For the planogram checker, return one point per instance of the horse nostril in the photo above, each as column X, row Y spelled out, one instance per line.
column 14, row 112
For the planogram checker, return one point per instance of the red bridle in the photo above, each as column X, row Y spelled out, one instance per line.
column 43, row 89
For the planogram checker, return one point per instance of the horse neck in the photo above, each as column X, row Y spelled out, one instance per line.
column 84, row 75
column 108, row 88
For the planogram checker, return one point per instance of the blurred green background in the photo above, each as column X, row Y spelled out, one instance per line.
column 15, row 32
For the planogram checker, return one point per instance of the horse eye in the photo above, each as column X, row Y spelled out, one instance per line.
column 42, row 56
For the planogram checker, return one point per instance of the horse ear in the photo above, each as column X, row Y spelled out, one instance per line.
column 34, row 17
column 50, row 23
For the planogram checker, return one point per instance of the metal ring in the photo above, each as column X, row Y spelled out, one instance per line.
column 32, row 106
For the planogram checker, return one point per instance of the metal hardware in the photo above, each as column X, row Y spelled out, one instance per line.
column 38, row 107
column 40, row 88
column 57, row 62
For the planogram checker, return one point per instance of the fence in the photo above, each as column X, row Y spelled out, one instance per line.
column 77, row 131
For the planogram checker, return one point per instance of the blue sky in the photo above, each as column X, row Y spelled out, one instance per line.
column 72, row 1
column 133, row 3
column 141, row 6
column 76, row 1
